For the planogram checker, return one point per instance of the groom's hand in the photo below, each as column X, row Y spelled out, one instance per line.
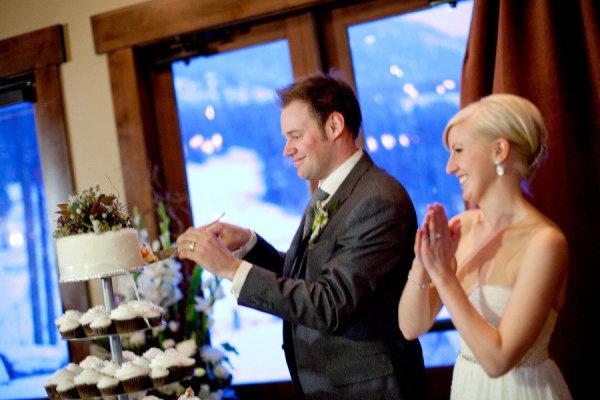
column 233, row 236
column 204, row 247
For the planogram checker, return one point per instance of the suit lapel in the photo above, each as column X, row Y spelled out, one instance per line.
column 291, row 265
column 346, row 189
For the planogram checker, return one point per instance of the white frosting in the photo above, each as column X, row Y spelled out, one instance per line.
column 73, row 369
column 90, row 314
column 64, row 383
column 107, row 381
column 88, row 377
column 131, row 370
column 53, row 380
column 92, row 362
column 100, row 321
column 164, row 361
column 158, row 372
column 129, row 355
column 110, row 368
column 123, row 312
column 151, row 353
column 146, row 309
column 68, row 321
column 90, row 255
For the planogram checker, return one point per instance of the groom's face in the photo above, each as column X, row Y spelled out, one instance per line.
column 306, row 142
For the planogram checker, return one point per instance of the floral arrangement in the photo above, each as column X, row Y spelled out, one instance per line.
column 321, row 219
column 91, row 211
column 188, row 315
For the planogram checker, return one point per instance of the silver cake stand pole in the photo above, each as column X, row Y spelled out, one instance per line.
column 116, row 350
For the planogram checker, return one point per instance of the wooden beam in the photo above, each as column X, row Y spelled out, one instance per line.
column 32, row 50
column 152, row 21
column 132, row 129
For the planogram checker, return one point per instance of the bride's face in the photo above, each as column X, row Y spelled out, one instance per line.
column 471, row 161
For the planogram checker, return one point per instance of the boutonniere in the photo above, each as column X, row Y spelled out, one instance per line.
column 321, row 219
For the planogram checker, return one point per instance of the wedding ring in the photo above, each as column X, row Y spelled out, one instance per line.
column 435, row 236
column 192, row 246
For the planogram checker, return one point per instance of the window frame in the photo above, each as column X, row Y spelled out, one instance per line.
column 40, row 53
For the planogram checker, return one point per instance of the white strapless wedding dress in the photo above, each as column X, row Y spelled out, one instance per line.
column 536, row 377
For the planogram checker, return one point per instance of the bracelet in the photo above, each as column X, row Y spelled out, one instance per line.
column 425, row 285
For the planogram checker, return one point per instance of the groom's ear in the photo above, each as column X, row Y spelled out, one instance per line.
column 334, row 125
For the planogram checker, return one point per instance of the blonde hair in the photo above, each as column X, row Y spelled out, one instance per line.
column 510, row 117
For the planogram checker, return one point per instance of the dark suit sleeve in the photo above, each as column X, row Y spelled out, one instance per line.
column 266, row 255
column 370, row 251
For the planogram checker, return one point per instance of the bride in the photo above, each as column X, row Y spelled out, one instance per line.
column 500, row 268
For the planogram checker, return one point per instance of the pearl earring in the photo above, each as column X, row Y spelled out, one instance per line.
column 499, row 168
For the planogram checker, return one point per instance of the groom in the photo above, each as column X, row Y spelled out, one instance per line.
column 337, row 288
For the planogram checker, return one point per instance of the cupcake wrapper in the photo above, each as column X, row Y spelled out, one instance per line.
column 156, row 321
column 73, row 333
column 178, row 372
column 51, row 392
column 88, row 330
column 72, row 393
column 130, row 325
column 137, row 383
column 88, row 390
column 158, row 382
column 112, row 390
column 107, row 330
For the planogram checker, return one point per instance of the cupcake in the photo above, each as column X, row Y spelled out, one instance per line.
column 188, row 395
column 65, row 387
column 92, row 362
column 86, row 383
column 109, row 385
column 126, row 319
column 73, row 369
column 151, row 353
column 169, row 361
column 159, row 376
column 87, row 318
column 134, row 377
column 69, row 326
column 110, row 368
column 52, row 382
column 151, row 398
column 102, row 325
column 148, row 310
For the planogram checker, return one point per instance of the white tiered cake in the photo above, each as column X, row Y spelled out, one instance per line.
column 94, row 238
column 98, row 255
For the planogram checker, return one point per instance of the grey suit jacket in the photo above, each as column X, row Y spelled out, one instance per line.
column 341, row 335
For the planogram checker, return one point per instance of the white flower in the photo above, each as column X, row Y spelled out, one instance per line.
column 173, row 326
column 210, row 354
column 167, row 344
column 321, row 219
column 203, row 305
column 137, row 339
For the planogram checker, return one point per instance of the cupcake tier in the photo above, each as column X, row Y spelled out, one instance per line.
column 163, row 324
column 184, row 381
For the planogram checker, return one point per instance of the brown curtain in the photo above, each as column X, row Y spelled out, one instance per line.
column 549, row 52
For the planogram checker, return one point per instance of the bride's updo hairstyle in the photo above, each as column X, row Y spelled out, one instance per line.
column 510, row 117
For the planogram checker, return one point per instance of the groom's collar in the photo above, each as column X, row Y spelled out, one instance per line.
column 332, row 183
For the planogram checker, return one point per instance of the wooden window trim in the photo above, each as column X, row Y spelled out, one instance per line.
column 40, row 53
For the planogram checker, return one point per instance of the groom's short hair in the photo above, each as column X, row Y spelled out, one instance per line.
column 324, row 94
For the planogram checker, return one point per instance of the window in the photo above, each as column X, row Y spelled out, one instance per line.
column 31, row 347
column 35, row 174
column 407, row 71
column 234, row 164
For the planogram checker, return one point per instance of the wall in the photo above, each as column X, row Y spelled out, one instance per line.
column 86, row 88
